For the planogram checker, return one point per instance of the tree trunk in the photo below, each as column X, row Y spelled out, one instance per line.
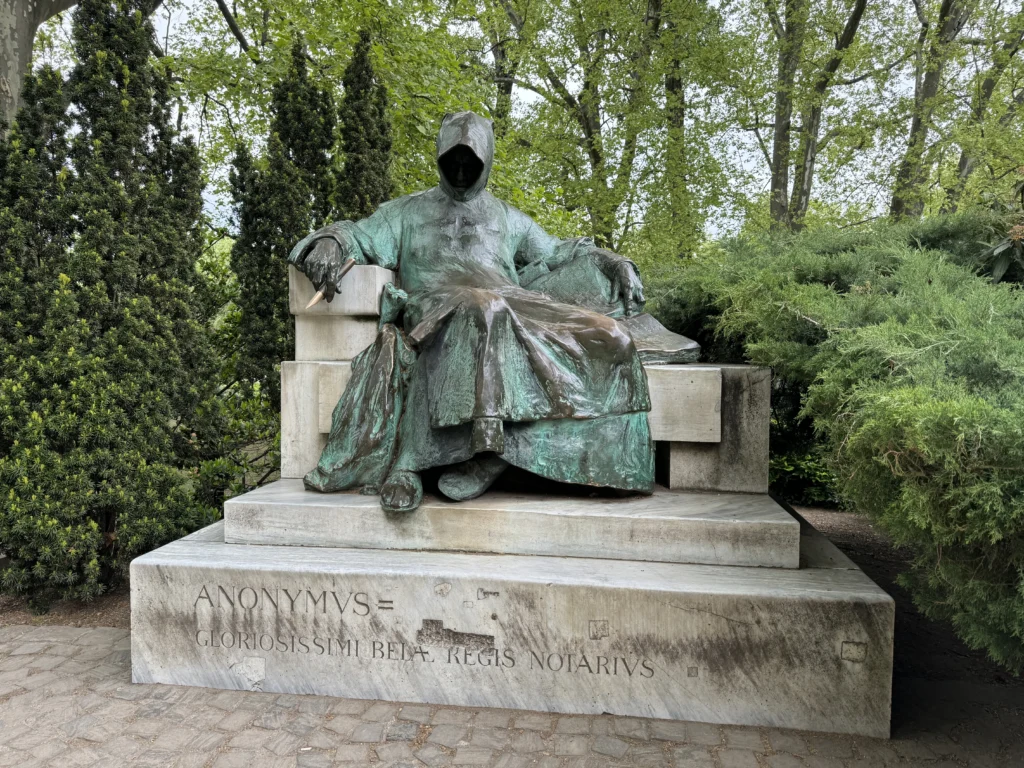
column 790, row 33
column 982, row 97
column 912, row 174
column 19, row 20
column 810, row 123
column 681, row 218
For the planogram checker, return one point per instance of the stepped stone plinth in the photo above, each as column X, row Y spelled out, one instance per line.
column 670, row 526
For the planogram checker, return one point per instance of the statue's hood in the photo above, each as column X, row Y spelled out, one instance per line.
column 473, row 132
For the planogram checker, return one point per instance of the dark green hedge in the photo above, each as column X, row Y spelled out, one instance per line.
column 907, row 365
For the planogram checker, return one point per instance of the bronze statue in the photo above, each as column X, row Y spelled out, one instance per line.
column 500, row 345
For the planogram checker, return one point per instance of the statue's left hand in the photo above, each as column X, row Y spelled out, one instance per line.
column 626, row 286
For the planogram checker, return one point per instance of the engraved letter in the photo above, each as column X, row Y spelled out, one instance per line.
column 316, row 601
column 203, row 595
column 363, row 603
column 241, row 598
column 221, row 592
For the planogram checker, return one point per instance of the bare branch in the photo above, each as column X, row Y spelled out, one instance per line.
column 233, row 25
column 888, row 67
column 773, row 16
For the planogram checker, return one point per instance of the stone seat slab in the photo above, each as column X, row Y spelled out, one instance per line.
column 807, row 648
column 669, row 526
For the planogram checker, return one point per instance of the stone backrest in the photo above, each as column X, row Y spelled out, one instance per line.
column 709, row 422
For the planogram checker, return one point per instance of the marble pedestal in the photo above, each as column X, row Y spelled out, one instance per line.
column 807, row 647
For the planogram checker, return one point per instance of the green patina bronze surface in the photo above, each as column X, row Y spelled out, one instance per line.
column 501, row 344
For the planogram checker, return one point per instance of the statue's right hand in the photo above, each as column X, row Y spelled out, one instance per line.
column 323, row 266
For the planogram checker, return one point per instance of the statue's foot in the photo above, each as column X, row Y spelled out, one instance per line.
column 401, row 492
column 471, row 478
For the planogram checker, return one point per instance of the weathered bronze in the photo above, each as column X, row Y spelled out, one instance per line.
column 498, row 346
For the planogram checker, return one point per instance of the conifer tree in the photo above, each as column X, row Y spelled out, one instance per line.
column 277, row 206
column 107, row 405
column 365, row 181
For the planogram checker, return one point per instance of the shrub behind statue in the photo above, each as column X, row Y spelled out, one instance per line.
column 912, row 369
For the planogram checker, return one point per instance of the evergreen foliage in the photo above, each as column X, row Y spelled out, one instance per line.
column 908, row 361
column 107, row 406
column 277, row 206
column 365, row 181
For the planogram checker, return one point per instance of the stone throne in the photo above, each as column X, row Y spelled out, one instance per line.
column 707, row 601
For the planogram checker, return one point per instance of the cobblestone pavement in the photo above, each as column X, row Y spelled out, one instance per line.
column 66, row 700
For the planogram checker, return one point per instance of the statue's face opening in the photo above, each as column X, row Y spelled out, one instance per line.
column 461, row 167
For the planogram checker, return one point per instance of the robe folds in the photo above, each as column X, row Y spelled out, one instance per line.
column 477, row 360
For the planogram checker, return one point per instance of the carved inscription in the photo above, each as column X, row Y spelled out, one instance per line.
column 435, row 643
column 279, row 599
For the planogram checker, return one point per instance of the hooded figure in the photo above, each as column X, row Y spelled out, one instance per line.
column 500, row 347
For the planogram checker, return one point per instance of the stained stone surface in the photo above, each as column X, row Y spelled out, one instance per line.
column 670, row 526
column 808, row 648
column 359, row 293
column 739, row 460
column 66, row 699
column 332, row 337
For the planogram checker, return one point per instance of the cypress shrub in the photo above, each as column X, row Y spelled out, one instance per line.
column 365, row 180
column 107, row 406
column 908, row 364
column 276, row 206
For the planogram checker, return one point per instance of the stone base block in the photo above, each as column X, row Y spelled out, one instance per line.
column 332, row 337
column 738, row 462
column 808, row 648
column 670, row 526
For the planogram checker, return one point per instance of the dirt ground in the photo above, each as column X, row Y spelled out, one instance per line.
column 924, row 649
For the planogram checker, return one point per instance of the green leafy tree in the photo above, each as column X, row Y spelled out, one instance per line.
column 107, row 406
column 277, row 206
column 365, row 181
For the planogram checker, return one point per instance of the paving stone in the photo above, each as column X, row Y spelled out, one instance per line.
column 704, row 733
column 380, row 712
column 155, row 758
column 449, row 735
column 283, row 744
column 647, row 756
column 273, row 718
column 493, row 718
column 390, row 752
column 433, row 756
column 784, row 761
column 352, row 753
column 472, row 756
column 343, row 725
column 737, row 758
column 235, row 721
column 534, row 722
column 403, row 730
column 314, row 760
column 452, row 717
column 569, row 744
column 575, row 725
column 833, row 746
column 349, row 707
column 79, row 757
column 417, row 713
column 691, row 754
column 367, row 732
column 491, row 738
column 820, row 761
column 248, row 739
column 630, row 728
column 513, row 761
column 743, row 738
column 787, row 741
column 668, row 730
column 528, row 741
column 611, row 746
